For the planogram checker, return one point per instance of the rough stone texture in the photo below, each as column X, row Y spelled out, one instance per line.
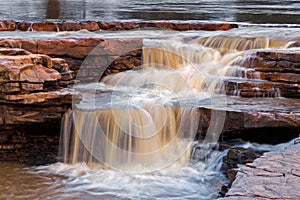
column 114, row 26
column 26, row 73
column 131, row 60
column 31, row 97
column 256, row 88
column 239, row 155
column 60, row 65
column 13, row 51
column 275, row 61
column 275, row 175
column 7, row 25
column 94, row 56
column 278, row 70
column 244, row 120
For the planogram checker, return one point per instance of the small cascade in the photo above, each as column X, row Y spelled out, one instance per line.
column 151, row 128
column 134, row 140
column 227, row 43
column 147, row 125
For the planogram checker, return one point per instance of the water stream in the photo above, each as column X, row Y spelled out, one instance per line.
column 132, row 135
column 249, row 11
column 139, row 126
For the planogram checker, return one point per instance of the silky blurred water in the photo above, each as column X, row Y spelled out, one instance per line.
column 250, row 11
column 200, row 180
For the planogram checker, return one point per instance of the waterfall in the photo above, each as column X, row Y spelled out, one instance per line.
column 135, row 139
column 147, row 124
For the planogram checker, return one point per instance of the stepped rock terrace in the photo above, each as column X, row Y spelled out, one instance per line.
column 214, row 79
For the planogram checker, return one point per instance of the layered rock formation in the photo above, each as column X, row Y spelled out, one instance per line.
column 275, row 175
column 94, row 56
column 34, row 91
column 10, row 25
column 278, row 68
column 33, row 73
column 32, row 104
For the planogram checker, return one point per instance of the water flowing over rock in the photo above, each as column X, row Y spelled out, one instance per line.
column 111, row 26
column 244, row 69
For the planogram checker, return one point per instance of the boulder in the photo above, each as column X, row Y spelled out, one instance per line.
column 26, row 69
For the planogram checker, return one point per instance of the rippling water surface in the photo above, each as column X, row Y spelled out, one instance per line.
column 251, row 11
column 63, row 181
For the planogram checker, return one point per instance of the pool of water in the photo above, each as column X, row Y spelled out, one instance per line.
column 197, row 180
column 63, row 181
column 249, row 11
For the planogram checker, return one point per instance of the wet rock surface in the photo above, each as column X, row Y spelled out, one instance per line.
column 112, row 26
column 270, row 73
column 33, row 73
column 275, row 175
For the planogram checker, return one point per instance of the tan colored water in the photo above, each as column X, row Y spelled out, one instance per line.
column 134, row 140
column 147, row 133
column 144, row 121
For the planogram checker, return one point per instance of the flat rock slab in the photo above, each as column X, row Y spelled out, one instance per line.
column 275, row 175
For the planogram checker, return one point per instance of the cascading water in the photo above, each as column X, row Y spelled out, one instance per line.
column 145, row 120
column 150, row 128
column 145, row 124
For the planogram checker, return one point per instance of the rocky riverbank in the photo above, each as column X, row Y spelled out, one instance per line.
column 275, row 175
column 11, row 25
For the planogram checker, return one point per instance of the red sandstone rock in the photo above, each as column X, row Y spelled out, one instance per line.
column 38, row 26
column 117, row 26
column 110, row 26
column 274, row 61
column 59, row 26
column 196, row 26
column 247, row 119
column 45, row 26
column 26, row 69
column 67, row 76
column 9, row 87
column 60, row 65
column 7, row 25
column 28, row 45
column 273, row 76
column 130, row 25
column 13, row 51
column 272, row 176
column 254, row 88
column 23, row 26
column 76, row 26
column 61, row 96
column 74, row 48
column 32, row 86
column 80, row 48
column 165, row 25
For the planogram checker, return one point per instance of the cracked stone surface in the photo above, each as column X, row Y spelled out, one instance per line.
column 275, row 175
